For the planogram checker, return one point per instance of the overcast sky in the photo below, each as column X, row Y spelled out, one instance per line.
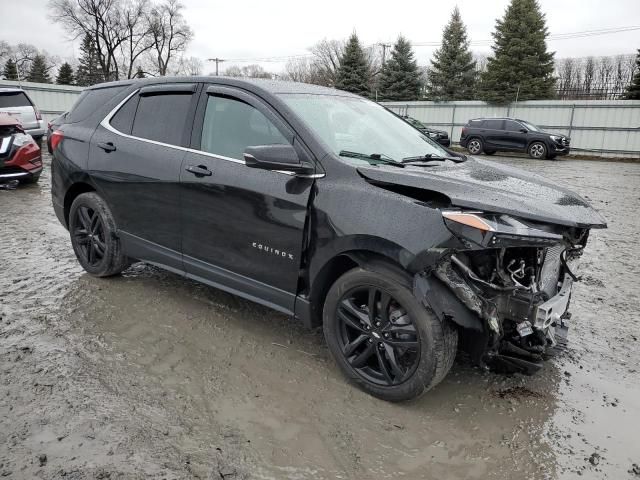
column 251, row 29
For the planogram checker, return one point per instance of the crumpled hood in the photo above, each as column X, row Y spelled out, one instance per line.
column 492, row 187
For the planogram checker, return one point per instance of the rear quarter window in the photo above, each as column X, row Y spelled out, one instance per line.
column 91, row 100
column 11, row 99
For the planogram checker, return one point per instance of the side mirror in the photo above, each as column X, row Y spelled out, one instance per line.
column 524, row 130
column 276, row 157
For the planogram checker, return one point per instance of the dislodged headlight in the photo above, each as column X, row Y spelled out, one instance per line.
column 494, row 230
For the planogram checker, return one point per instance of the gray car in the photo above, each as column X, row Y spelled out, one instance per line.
column 16, row 102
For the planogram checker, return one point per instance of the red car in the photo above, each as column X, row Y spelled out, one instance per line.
column 20, row 156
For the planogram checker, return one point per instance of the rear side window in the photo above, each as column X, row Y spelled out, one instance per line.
column 123, row 119
column 11, row 99
column 162, row 117
column 91, row 100
column 475, row 123
column 493, row 124
column 230, row 126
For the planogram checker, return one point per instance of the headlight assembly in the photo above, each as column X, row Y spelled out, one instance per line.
column 494, row 230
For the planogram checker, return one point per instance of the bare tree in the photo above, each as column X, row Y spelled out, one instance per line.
column 170, row 33
column 248, row 71
column 299, row 69
column 589, row 75
column 189, row 66
column 138, row 40
column 102, row 20
column 326, row 60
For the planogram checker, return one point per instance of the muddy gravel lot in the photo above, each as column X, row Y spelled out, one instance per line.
column 149, row 375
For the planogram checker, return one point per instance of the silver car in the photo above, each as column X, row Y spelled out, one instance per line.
column 16, row 102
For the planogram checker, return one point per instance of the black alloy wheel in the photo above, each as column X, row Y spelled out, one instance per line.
column 89, row 235
column 377, row 336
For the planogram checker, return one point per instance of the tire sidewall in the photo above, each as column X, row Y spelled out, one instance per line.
column 545, row 151
column 112, row 259
column 426, row 369
column 475, row 139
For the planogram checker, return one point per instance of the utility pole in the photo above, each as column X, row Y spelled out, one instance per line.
column 217, row 60
column 384, row 50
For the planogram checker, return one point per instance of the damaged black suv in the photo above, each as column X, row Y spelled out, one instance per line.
column 327, row 207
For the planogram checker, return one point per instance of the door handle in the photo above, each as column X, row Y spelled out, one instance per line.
column 107, row 147
column 199, row 170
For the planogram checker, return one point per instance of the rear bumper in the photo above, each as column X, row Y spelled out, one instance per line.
column 19, row 173
column 36, row 132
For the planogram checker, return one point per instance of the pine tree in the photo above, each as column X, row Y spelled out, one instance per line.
column 353, row 74
column 400, row 77
column 89, row 70
column 10, row 71
column 633, row 90
column 521, row 65
column 65, row 75
column 140, row 73
column 39, row 71
column 452, row 75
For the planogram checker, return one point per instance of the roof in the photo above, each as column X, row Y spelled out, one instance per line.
column 275, row 87
column 10, row 90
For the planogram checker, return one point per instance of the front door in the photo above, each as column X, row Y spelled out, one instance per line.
column 135, row 159
column 243, row 227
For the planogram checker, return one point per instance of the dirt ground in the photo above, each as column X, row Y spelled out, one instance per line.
column 149, row 375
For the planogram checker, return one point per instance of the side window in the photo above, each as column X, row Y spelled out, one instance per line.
column 230, row 126
column 123, row 119
column 162, row 117
column 512, row 126
column 493, row 124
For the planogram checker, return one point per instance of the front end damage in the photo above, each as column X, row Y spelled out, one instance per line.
column 509, row 287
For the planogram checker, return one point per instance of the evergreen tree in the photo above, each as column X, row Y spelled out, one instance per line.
column 633, row 90
column 452, row 75
column 140, row 73
column 89, row 70
column 400, row 77
column 39, row 71
column 521, row 64
column 353, row 74
column 10, row 71
column 65, row 75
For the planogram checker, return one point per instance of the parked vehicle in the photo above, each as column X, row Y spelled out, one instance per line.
column 52, row 126
column 439, row 136
column 325, row 206
column 20, row 157
column 491, row 135
column 16, row 102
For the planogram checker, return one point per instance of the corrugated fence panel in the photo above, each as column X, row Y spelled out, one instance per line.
column 603, row 127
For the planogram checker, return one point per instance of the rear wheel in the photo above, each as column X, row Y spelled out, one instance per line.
column 383, row 339
column 475, row 146
column 538, row 150
column 93, row 236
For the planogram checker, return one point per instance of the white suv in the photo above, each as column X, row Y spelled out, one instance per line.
column 16, row 102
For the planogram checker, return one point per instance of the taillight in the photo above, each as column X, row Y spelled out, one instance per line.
column 56, row 138
column 38, row 114
column 464, row 131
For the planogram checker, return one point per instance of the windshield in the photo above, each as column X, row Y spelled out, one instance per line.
column 530, row 126
column 353, row 124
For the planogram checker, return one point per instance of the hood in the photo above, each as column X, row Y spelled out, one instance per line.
column 492, row 187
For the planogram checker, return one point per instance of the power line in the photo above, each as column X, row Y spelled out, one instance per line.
column 474, row 43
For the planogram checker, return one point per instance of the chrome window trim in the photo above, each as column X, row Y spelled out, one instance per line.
column 106, row 123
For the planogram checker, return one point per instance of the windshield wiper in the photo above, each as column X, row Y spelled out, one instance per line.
column 428, row 158
column 378, row 157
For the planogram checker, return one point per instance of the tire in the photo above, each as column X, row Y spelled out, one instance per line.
column 537, row 151
column 424, row 348
column 475, row 146
column 93, row 236
column 489, row 152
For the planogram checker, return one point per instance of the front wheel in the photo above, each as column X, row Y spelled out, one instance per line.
column 93, row 236
column 538, row 150
column 383, row 339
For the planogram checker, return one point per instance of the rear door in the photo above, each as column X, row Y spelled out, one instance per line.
column 492, row 131
column 135, row 159
column 513, row 138
column 243, row 227
column 17, row 104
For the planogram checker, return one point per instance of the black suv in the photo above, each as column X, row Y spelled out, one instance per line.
column 327, row 207
column 439, row 136
column 491, row 135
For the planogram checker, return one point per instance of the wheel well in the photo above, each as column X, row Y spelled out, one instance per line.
column 75, row 190
column 341, row 264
